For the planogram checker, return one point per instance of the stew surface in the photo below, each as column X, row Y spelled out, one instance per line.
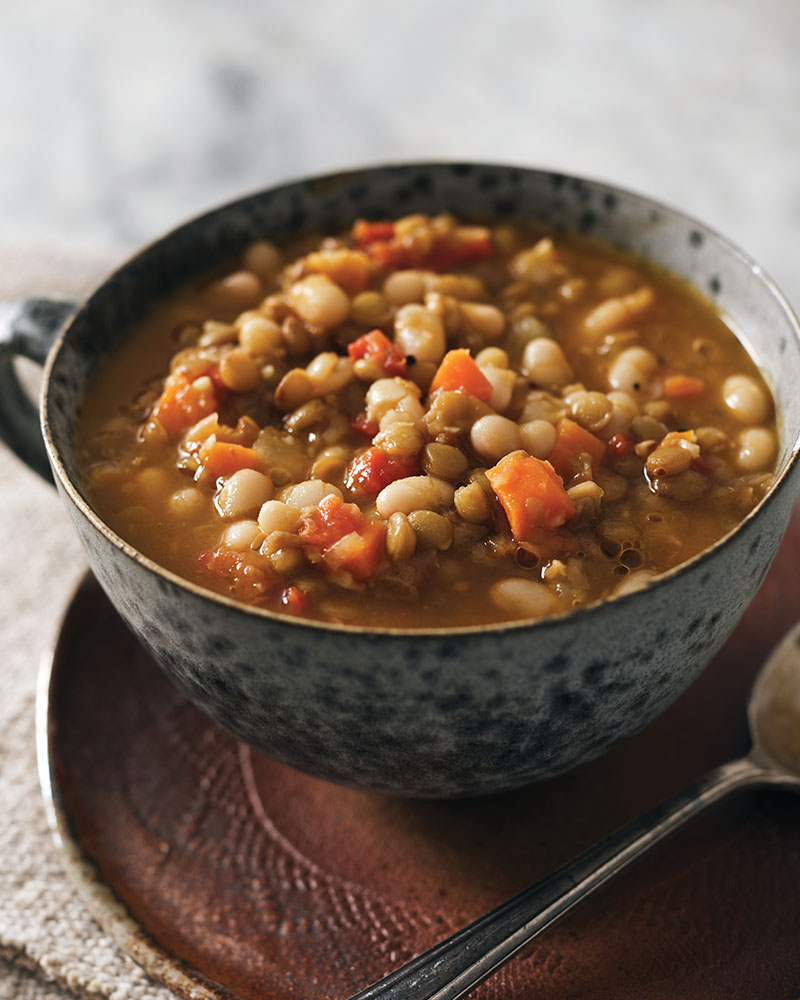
column 424, row 423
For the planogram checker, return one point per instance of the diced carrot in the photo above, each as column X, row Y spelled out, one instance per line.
column 182, row 403
column 532, row 495
column 365, row 232
column 675, row 437
column 573, row 440
column 348, row 541
column 369, row 472
column 458, row 372
column 221, row 459
column 376, row 346
column 683, row 386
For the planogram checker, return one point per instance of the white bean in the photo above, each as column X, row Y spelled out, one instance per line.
column 309, row 493
column 243, row 493
column 402, row 287
column 329, row 372
column 237, row 290
column 635, row 581
column 485, row 319
column 502, row 381
column 494, row 436
column 260, row 336
column 631, row 369
column 619, row 311
column 277, row 516
column 389, row 394
column 414, row 493
column 625, row 408
column 757, row 447
column 492, row 357
column 745, row 398
column 419, row 332
column 185, row 501
column 521, row 598
column 408, row 410
column 319, row 301
column 544, row 361
column 538, row 437
column 240, row 534
column 263, row 258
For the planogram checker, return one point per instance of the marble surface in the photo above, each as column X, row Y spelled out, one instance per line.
column 119, row 121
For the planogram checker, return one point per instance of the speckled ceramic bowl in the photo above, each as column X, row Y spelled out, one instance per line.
column 436, row 713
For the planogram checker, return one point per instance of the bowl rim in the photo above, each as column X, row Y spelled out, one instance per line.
column 372, row 631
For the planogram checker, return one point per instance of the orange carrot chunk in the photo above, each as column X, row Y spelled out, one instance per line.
column 457, row 372
column 220, row 459
column 182, row 403
column 683, row 386
column 573, row 440
column 532, row 495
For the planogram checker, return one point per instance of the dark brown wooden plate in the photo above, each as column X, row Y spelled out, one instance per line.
column 227, row 874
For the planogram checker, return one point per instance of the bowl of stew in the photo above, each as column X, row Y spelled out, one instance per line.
column 433, row 479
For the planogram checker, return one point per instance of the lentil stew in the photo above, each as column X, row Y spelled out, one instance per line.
column 425, row 423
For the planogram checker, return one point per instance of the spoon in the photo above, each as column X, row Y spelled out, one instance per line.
column 455, row 966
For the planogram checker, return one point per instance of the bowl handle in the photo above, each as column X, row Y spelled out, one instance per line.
column 27, row 329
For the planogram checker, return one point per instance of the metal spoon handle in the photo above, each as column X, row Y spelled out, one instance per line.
column 458, row 964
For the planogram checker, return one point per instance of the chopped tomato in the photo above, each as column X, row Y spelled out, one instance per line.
column 376, row 346
column 348, row 541
column 532, row 495
column 182, row 403
column 249, row 576
column 294, row 599
column 464, row 243
column 373, row 469
column 221, row 459
column 364, row 425
column 573, row 440
column 365, row 232
column 619, row 446
column 683, row 386
column 457, row 372
column 701, row 465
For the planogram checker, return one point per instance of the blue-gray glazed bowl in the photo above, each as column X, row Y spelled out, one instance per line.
column 435, row 713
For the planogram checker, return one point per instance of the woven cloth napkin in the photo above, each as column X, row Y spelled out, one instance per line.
column 50, row 948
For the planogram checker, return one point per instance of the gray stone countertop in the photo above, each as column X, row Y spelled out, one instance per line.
column 121, row 120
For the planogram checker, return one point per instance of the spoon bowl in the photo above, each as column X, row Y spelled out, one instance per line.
column 455, row 966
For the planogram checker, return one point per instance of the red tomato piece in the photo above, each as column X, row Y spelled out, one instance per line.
column 373, row 469
column 294, row 599
column 248, row 575
column 365, row 232
column 348, row 541
column 376, row 346
column 364, row 425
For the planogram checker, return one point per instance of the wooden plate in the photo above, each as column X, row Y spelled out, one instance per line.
column 228, row 875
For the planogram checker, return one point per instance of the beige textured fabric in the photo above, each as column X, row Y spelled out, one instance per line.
column 50, row 947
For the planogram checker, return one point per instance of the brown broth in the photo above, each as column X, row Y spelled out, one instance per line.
column 133, row 482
